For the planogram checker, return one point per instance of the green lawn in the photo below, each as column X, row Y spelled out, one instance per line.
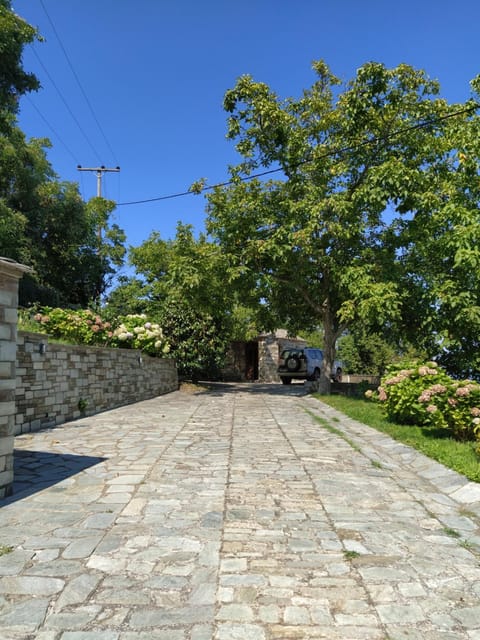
column 434, row 443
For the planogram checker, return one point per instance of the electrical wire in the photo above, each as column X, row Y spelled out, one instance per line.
column 327, row 154
column 75, row 75
column 55, row 133
column 67, row 106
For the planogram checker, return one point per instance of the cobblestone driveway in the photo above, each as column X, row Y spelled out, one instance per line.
column 235, row 515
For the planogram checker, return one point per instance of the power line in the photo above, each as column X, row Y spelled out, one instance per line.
column 55, row 133
column 67, row 106
column 327, row 154
column 78, row 82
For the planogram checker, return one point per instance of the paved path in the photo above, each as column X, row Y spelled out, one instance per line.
column 235, row 515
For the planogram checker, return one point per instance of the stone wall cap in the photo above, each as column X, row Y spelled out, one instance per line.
column 13, row 267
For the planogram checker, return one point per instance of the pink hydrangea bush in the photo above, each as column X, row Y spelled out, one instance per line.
column 425, row 395
column 79, row 326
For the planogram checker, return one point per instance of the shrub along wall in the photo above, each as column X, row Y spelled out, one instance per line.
column 58, row 382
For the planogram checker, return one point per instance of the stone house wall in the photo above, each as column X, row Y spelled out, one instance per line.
column 57, row 382
column 270, row 347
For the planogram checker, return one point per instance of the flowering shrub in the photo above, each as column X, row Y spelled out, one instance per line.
column 77, row 326
column 425, row 395
column 458, row 409
column 87, row 327
column 136, row 332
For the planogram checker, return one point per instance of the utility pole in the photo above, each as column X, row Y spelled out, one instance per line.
column 99, row 171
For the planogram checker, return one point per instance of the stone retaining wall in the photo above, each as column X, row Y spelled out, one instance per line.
column 57, row 382
column 10, row 273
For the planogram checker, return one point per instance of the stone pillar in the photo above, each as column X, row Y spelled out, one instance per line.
column 10, row 273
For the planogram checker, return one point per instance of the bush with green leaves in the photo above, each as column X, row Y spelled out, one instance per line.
column 84, row 326
column 198, row 341
column 425, row 395
column 79, row 326
column 137, row 332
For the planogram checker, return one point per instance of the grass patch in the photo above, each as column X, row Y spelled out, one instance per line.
column 451, row 532
column 326, row 425
column 4, row 549
column 350, row 555
column 434, row 443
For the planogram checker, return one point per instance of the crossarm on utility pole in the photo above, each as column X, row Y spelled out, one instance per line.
column 99, row 171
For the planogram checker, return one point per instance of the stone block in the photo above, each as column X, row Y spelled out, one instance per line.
column 7, row 408
column 10, row 315
column 7, row 298
column 7, row 331
column 6, row 369
column 8, row 351
column 6, row 477
column 6, row 445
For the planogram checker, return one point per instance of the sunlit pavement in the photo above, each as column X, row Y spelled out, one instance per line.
column 234, row 514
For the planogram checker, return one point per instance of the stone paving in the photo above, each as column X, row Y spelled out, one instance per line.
column 250, row 512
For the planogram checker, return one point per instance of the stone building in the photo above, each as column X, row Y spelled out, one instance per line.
column 258, row 359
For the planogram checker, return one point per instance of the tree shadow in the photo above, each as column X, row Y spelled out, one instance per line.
column 264, row 388
column 437, row 433
column 34, row 471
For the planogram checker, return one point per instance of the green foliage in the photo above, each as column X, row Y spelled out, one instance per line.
column 434, row 443
column 365, row 352
column 82, row 405
column 15, row 33
column 84, row 326
column 4, row 549
column 315, row 245
column 211, row 312
column 137, row 332
column 197, row 341
column 424, row 395
column 402, row 386
column 313, row 338
column 43, row 222
column 75, row 326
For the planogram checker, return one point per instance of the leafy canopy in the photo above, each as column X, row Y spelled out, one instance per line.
column 320, row 244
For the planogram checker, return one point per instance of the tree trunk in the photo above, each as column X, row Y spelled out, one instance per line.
column 329, row 340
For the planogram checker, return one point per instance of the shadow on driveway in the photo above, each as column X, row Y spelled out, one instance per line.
column 37, row 470
column 266, row 388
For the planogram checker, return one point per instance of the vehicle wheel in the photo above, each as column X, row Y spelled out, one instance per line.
column 286, row 380
column 293, row 363
column 316, row 374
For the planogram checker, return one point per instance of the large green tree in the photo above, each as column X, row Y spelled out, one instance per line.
column 43, row 222
column 15, row 33
column 186, row 268
column 185, row 284
column 320, row 244
column 440, row 252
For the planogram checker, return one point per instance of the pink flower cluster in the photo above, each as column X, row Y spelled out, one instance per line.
column 38, row 317
column 435, row 389
column 382, row 396
column 462, row 392
column 426, row 371
column 401, row 375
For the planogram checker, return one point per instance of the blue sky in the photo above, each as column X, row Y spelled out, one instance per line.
column 155, row 72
